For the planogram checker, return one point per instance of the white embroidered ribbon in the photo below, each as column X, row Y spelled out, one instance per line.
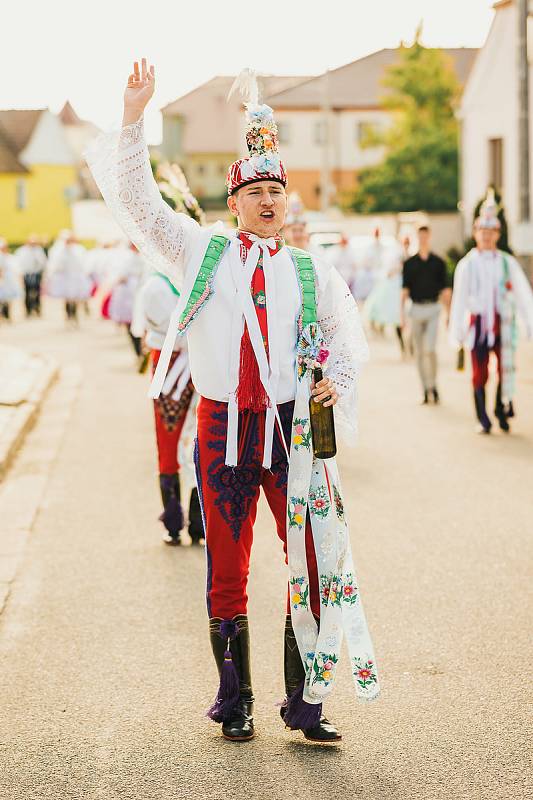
column 314, row 489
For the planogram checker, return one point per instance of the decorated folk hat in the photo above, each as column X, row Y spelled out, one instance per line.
column 488, row 212
column 263, row 162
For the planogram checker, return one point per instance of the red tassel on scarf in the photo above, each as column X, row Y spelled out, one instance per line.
column 251, row 393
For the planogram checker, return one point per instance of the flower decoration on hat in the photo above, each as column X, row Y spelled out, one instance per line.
column 488, row 213
column 263, row 162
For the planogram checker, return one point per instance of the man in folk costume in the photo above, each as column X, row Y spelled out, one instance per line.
column 155, row 303
column 257, row 315
column 489, row 288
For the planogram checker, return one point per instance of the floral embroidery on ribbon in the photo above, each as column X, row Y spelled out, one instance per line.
column 324, row 667
column 299, row 592
column 302, row 433
column 319, row 502
column 296, row 512
column 339, row 506
column 260, row 299
column 364, row 672
column 337, row 589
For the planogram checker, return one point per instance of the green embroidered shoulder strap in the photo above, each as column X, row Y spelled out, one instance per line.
column 169, row 282
column 307, row 281
column 203, row 285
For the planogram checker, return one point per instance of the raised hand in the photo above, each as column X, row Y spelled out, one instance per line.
column 139, row 90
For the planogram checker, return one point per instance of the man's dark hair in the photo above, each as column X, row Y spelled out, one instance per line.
column 424, row 229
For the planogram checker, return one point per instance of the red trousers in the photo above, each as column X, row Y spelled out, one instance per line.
column 169, row 418
column 481, row 354
column 229, row 496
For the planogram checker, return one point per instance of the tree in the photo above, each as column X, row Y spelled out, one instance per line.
column 420, row 169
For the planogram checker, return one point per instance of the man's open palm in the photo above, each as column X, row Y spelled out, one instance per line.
column 140, row 88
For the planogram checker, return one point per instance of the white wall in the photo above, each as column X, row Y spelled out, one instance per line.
column 48, row 144
column 304, row 152
column 489, row 110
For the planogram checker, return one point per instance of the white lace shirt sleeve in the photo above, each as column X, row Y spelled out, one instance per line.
column 120, row 164
column 339, row 319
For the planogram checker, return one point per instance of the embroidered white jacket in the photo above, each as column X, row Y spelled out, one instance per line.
column 175, row 244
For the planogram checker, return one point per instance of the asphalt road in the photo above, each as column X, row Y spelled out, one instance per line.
column 105, row 666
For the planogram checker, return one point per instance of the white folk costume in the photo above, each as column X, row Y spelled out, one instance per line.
column 172, row 409
column 256, row 313
column 68, row 278
column 490, row 290
column 9, row 283
column 31, row 263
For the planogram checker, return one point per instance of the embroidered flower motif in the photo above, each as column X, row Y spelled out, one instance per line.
column 296, row 512
column 260, row 299
column 364, row 672
column 350, row 592
column 509, row 286
column 324, row 667
column 319, row 502
column 330, row 590
column 339, row 507
column 299, row 593
column 302, row 434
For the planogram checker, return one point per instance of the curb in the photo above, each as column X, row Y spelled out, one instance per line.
column 24, row 415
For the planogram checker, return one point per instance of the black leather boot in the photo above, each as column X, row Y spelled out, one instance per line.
column 196, row 525
column 234, row 704
column 501, row 411
column 481, row 412
column 172, row 516
column 320, row 730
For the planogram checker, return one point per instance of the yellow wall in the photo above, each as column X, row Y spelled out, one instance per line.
column 47, row 209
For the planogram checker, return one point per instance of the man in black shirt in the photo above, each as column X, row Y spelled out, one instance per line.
column 425, row 280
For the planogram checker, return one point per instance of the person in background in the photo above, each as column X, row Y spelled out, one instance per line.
column 68, row 278
column 344, row 261
column 489, row 287
column 425, row 283
column 382, row 307
column 31, row 262
column 9, row 289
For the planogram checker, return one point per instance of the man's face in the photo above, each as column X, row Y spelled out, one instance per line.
column 424, row 238
column 486, row 238
column 297, row 235
column 261, row 207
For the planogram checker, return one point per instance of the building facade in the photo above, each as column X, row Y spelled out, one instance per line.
column 489, row 118
column 38, row 176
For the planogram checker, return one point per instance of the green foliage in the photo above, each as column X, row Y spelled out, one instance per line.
column 420, row 169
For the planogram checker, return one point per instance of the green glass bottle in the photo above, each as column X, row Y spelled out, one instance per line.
column 322, row 425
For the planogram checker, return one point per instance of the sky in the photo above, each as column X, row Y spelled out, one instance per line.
column 83, row 51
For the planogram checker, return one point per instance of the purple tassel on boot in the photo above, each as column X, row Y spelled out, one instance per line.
column 172, row 516
column 299, row 715
column 228, row 694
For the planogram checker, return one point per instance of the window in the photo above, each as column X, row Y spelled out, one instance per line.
column 320, row 132
column 21, row 197
column 200, row 169
column 496, row 163
column 364, row 131
column 284, row 130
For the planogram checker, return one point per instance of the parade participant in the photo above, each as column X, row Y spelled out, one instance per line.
column 68, row 278
column 131, row 270
column 489, row 287
column 425, row 283
column 344, row 260
column 9, row 289
column 155, row 302
column 158, row 299
column 257, row 316
column 382, row 307
column 31, row 262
